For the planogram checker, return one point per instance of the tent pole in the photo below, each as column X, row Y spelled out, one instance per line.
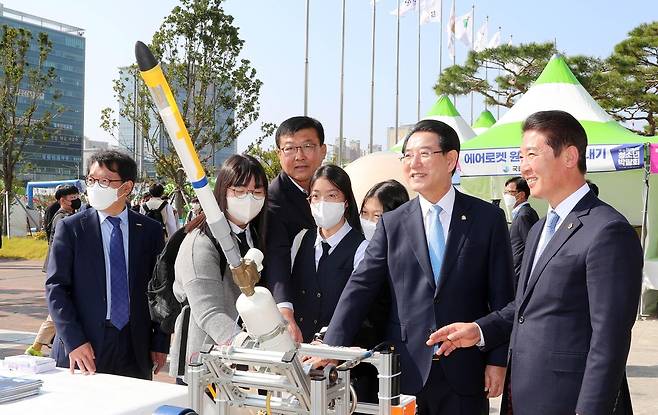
column 643, row 232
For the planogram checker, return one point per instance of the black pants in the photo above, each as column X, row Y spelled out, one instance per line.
column 438, row 398
column 118, row 356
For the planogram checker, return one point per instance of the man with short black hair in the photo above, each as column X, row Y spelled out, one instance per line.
column 523, row 217
column 581, row 277
column 100, row 262
column 445, row 255
column 301, row 149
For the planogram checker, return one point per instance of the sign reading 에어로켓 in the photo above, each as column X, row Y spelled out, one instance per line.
column 507, row 161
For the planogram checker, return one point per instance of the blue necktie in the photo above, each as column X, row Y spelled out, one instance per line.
column 120, row 312
column 436, row 242
column 551, row 221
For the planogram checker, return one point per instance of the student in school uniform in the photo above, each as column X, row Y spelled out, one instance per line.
column 203, row 278
column 326, row 255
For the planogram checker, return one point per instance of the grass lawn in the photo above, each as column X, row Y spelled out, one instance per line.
column 23, row 248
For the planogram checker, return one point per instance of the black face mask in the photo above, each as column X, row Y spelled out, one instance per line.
column 76, row 203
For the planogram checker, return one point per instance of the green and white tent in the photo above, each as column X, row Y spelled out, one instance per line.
column 444, row 110
column 611, row 146
column 485, row 121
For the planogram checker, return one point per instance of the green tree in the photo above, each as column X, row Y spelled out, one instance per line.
column 198, row 47
column 24, row 117
column 504, row 73
column 269, row 157
column 632, row 82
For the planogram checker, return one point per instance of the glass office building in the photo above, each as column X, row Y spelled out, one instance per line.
column 59, row 156
column 130, row 136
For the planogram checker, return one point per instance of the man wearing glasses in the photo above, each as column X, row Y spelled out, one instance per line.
column 445, row 255
column 524, row 216
column 301, row 149
column 100, row 262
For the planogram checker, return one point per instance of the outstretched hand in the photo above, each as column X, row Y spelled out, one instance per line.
column 453, row 336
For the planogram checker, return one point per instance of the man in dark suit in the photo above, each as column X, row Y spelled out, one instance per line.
column 523, row 217
column 100, row 262
column 301, row 149
column 445, row 255
column 579, row 289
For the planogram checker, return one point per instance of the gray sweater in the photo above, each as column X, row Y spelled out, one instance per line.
column 211, row 299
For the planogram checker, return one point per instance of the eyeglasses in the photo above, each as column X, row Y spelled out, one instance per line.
column 307, row 149
column 258, row 194
column 104, row 183
column 424, row 155
column 511, row 192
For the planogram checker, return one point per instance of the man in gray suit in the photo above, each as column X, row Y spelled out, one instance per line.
column 578, row 293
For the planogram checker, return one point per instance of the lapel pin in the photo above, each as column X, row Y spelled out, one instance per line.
column 570, row 226
column 463, row 217
column 138, row 224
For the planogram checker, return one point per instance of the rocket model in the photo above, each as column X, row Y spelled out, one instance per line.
column 255, row 305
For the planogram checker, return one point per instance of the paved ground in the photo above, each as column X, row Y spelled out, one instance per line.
column 22, row 309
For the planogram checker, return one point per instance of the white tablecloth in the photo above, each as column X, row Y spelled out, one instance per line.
column 63, row 393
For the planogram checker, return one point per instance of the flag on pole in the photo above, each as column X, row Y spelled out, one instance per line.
column 450, row 30
column 494, row 42
column 431, row 11
column 405, row 7
column 463, row 25
column 481, row 38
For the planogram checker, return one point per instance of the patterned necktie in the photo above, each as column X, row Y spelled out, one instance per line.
column 120, row 312
column 325, row 252
column 436, row 242
column 551, row 221
column 242, row 243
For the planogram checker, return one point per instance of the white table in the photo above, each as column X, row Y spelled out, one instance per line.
column 63, row 393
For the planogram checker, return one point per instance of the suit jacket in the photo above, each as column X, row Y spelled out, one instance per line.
column 476, row 278
column 518, row 232
column 76, row 288
column 571, row 326
column 288, row 212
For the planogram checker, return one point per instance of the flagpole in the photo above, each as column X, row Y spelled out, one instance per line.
column 306, row 60
column 372, row 77
column 440, row 37
column 342, row 78
column 472, row 42
column 397, row 74
column 486, row 69
column 454, row 49
column 418, row 75
column 500, row 29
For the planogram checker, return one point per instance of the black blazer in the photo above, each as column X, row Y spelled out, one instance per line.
column 288, row 212
column 76, row 292
column 518, row 232
column 571, row 326
column 476, row 278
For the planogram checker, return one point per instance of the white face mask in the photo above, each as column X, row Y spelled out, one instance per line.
column 245, row 209
column 327, row 214
column 509, row 200
column 368, row 228
column 101, row 198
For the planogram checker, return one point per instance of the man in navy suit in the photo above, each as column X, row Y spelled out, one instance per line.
column 445, row 256
column 301, row 149
column 524, row 216
column 579, row 289
column 100, row 262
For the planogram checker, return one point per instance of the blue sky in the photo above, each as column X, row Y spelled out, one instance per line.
column 274, row 36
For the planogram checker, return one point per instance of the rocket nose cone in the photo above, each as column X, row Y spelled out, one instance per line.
column 145, row 59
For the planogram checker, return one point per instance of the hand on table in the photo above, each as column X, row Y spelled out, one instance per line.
column 83, row 356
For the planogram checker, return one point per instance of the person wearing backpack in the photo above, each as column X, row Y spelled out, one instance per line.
column 203, row 279
column 160, row 210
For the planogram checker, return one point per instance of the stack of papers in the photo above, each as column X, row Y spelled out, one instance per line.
column 29, row 364
column 12, row 388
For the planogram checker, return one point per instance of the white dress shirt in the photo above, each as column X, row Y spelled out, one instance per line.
column 106, row 233
column 447, row 203
column 238, row 230
column 515, row 211
column 333, row 241
column 563, row 209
